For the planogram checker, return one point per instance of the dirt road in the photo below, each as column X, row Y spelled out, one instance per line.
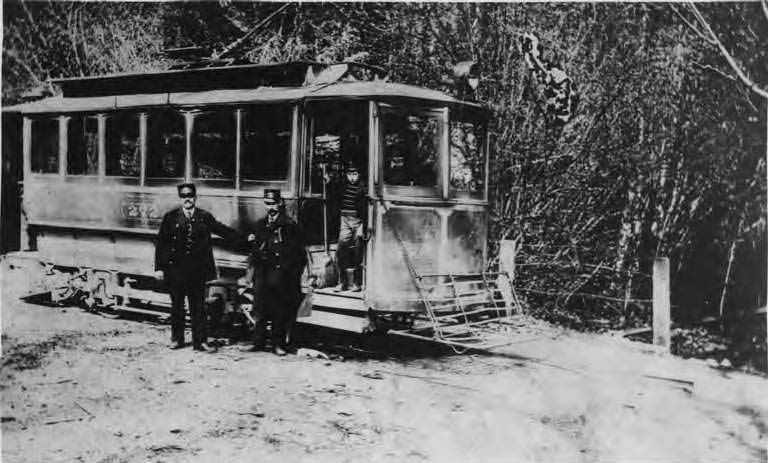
column 82, row 387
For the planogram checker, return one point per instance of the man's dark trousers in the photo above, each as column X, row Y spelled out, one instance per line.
column 276, row 302
column 187, row 284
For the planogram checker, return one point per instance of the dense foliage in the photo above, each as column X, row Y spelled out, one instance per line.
column 665, row 156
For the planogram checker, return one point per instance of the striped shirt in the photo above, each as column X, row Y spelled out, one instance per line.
column 351, row 198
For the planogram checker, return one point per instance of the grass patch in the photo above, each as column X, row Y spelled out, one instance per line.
column 28, row 356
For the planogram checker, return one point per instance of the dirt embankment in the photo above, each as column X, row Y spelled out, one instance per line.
column 80, row 387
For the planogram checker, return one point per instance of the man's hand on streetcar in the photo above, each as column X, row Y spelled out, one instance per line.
column 159, row 276
column 251, row 238
column 244, row 281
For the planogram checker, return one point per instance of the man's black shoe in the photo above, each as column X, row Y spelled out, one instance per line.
column 203, row 348
column 280, row 351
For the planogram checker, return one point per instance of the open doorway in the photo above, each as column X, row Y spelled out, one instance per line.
column 334, row 210
column 10, row 196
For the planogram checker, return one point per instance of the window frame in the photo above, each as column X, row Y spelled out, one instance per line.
column 440, row 189
column 256, row 187
column 140, row 116
column 165, row 181
column 228, row 183
column 84, row 116
column 482, row 125
column 56, row 119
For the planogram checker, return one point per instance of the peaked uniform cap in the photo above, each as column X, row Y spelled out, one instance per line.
column 272, row 195
column 189, row 186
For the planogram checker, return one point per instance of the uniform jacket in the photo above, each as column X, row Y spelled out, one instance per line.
column 278, row 254
column 171, row 253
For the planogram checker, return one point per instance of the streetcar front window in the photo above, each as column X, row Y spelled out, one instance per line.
column 411, row 149
column 467, row 158
column 45, row 146
column 213, row 147
column 266, row 143
column 123, row 145
column 166, row 145
column 83, row 145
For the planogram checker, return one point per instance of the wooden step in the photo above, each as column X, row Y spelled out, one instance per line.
column 349, row 323
column 351, row 301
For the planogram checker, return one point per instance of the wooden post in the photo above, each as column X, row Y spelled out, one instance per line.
column 661, row 303
column 189, row 121
column 294, row 164
column 238, row 145
column 25, row 240
column 507, row 251
column 26, row 147
column 143, row 143
column 445, row 154
column 102, row 137
column 63, row 142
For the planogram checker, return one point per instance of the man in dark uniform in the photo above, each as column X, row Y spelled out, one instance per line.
column 184, row 260
column 275, row 264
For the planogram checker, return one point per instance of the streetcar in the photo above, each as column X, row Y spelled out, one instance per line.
column 102, row 159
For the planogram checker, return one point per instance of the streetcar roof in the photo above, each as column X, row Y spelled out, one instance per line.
column 340, row 90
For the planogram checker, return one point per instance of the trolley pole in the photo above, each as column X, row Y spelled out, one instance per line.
column 661, row 303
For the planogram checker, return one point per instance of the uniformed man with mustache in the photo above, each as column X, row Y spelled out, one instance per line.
column 184, row 261
column 275, row 264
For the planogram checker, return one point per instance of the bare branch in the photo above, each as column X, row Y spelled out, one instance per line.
column 13, row 54
column 691, row 26
column 740, row 89
column 33, row 23
column 744, row 78
column 71, row 33
column 748, row 98
column 232, row 46
column 33, row 57
column 764, row 3
column 716, row 70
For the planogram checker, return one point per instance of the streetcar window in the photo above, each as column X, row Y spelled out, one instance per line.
column 45, row 146
column 166, row 146
column 123, row 145
column 467, row 159
column 411, row 147
column 266, row 142
column 83, row 145
column 339, row 137
column 213, row 146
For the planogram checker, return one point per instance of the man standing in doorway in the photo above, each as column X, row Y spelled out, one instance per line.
column 184, row 260
column 277, row 260
column 350, row 245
